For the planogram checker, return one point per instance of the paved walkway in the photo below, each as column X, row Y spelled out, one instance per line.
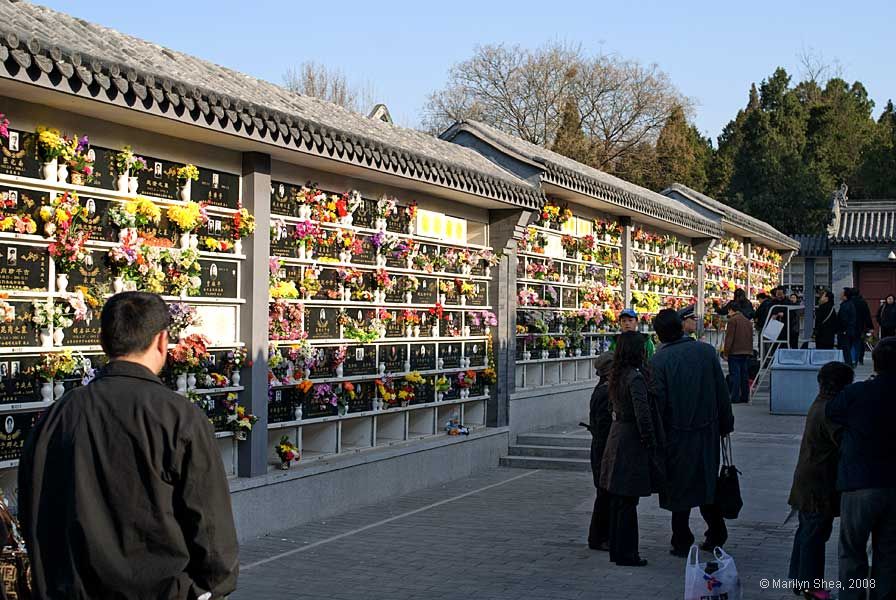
column 520, row 535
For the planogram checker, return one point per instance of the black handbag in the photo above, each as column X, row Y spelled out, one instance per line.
column 728, row 498
column 15, row 568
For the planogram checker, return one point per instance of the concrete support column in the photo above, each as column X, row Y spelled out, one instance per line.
column 809, row 297
column 701, row 247
column 256, row 197
column 506, row 228
column 627, row 259
column 748, row 249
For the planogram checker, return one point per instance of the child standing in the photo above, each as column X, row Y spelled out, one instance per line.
column 814, row 491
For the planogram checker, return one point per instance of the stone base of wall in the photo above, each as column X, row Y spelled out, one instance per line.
column 284, row 499
column 538, row 408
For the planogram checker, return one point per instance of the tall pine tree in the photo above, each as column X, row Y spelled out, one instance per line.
column 570, row 140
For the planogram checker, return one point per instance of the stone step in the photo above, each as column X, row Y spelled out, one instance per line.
column 534, row 462
column 553, row 439
column 551, row 451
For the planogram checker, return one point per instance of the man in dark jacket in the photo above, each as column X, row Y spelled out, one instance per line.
column 693, row 399
column 864, row 322
column 866, row 477
column 600, row 421
column 765, row 304
column 849, row 321
column 122, row 492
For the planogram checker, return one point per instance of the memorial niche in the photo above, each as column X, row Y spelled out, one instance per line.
column 423, row 357
column 14, row 431
column 219, row 278
column 17, row 383
column 393, row 356
column 321, row 323
column 19, row 157
column 23, row 268
column 18, row 329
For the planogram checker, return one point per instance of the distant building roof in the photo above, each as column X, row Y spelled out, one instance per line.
column 53, row 50
column 736, row 217
column 813, row 244
column 864, row 222
column 580, row 178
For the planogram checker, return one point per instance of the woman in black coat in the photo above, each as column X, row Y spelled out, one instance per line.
column 627, row 470
column 600, row 421
column 827, row 322
column 886, row 317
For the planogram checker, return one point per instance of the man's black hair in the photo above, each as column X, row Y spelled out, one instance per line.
column 130, row 321
column 761, row 296
column 834, row 376
column 667, row 325
column 884, row 356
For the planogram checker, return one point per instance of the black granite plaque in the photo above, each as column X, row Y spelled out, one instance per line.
column 329, row 285
column 367, row 256
column 23, row 268
column 26, row 202
column 428, row 292
column 218, row 227
column 21, row 331
column 284, row 199
column 98, row 222
column 397, row 222
column 14, row 431
column 312, row 409
column 478, row 268
column 363, row 400
column 282, row 404
column 84, row 333
column 394, row 327
column 394, row 355
column 423, row 357
column 480, row 290
column 450, row 354
column 217, row 188
column 154, row 180
column 19, row 156
column 360, row 360
column 448, row 289
column 324, row 368
column 320, row 322
column 103, row 171
column 450, row 324
column 365, row 215
column 218, row 278
column 17, row 385
column 475, row 351
column 568, row 297
column 283, row 243
column 396, row 263
column 396, row 295
column 93, row 273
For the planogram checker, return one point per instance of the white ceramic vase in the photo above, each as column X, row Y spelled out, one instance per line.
column 117, row 285
column 49, row 171
column 235, row 378
column 121, row 182
column 133, row 185
column 61, row 282
column 46, row 338
column 191, row 381
column 184, row 241
column 61, row 173
column 46, row 391
column 184, row 189
column 58, row 336
column 408, row 297
column 58, row 389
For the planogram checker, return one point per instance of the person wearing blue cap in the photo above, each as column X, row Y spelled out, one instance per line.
column 628, row 321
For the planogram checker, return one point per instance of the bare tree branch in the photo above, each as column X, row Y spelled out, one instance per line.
column 319, row 81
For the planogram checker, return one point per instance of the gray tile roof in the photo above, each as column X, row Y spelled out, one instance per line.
column 56, row 50
column 736, row 217
column 815, row 244
column 583, row 179
column 866, row 222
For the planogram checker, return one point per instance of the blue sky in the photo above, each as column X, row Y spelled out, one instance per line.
column 711, row 50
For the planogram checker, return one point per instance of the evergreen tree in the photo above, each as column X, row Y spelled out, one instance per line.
column 570, row 140
column 682, row 154
column 877, row 173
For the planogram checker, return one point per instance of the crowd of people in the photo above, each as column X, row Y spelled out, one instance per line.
column 658, row 425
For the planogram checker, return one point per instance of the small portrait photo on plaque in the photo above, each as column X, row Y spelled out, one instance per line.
column 281, row 190
column 4, row 370
column 9, row 425
column 88, row 260
column 12, row 256
column 215, row 180
column 359, row 354
column 13, row 197
column 14, row 141
column 213, row 272
column 15, row 367
column 157, row 170
column 90, row 205
column 218, row 223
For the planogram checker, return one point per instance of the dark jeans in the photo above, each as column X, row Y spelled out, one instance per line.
column 599, row 532
column 716, row 530
column 860, row 350
column 739, row 386
column 850, row 351
column 864, row 514
column 623, row 528
column 807, row 558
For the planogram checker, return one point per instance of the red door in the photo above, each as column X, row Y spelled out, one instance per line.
column 876, row 281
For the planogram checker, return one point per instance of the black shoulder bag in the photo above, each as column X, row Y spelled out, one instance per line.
column 728, row 497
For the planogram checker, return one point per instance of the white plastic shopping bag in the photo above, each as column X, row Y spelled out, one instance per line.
column 707, row 581
column 772, row 330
